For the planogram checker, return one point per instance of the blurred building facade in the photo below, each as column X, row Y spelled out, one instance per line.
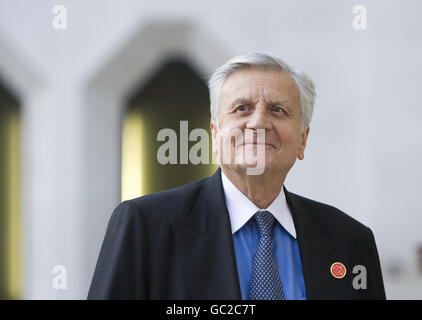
column 77, row 100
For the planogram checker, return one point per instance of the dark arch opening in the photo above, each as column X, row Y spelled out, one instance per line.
column 174, row 93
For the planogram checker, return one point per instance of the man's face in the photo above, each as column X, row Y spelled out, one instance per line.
column 260, row 99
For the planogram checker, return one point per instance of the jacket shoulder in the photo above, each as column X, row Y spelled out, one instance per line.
column 169, row 204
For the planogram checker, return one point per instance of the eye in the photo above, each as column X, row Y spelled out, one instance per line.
column 243, row 107
column 279, row 109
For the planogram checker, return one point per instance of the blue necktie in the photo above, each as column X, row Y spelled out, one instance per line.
column 265, row 283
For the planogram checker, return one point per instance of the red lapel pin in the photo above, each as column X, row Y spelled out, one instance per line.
column 338, row 270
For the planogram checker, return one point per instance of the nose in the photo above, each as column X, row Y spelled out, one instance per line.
column 259, row 119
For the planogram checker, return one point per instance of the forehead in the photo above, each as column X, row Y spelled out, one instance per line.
column 258, row 83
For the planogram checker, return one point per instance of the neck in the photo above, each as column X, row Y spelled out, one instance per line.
column 260, row 189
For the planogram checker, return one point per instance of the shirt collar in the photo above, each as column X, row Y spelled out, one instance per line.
column 241, row 209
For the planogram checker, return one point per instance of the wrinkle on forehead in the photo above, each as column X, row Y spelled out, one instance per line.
column 256, row 95
column 257, row 85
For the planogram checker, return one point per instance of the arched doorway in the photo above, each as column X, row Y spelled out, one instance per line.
column 173, row 94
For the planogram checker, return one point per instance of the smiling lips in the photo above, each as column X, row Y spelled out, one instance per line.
column 256, row 144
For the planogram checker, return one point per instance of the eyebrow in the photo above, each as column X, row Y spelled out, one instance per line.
column 246, row 100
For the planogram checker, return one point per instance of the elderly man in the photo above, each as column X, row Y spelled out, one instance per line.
column 240, row 234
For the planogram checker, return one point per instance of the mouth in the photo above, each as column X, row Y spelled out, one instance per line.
column 266, row 145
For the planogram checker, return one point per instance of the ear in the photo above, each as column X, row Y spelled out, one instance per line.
column 213, row 128
column 305, row 134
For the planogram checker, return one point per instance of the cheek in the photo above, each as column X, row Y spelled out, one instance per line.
column 289, row 138
column 231, row 127
column 285, row 133
column 232, row 123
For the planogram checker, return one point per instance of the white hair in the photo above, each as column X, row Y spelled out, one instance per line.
column 266, row 62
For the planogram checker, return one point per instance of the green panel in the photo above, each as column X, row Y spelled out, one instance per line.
column 174, row 94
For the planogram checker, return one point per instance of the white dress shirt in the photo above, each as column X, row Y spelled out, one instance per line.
column 241, row 209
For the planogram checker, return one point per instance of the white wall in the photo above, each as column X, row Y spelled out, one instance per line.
column 363, row 152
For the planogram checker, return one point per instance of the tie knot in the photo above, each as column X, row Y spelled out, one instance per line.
column 265, row 221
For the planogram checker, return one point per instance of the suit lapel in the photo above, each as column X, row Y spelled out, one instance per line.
column 206, row 242
column 317, row 254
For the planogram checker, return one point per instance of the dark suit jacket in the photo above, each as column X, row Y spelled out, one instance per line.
column 177, row 244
